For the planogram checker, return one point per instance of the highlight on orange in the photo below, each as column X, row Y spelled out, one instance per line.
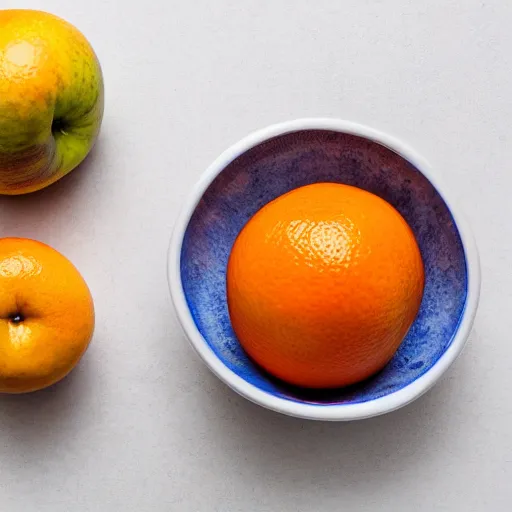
column 323, row 284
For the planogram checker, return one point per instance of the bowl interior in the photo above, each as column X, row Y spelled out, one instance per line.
column 310, row 156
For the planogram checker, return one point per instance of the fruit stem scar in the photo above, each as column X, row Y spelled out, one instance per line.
column 16, row 318
column 58, row 126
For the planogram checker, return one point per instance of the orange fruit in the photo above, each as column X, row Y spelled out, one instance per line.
column 46, row 315
column 323, row 284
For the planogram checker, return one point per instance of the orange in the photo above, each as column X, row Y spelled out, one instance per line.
column 323, row 284
column 46, row 315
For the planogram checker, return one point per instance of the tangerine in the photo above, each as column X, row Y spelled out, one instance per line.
column 46, row 315
column 323, row 284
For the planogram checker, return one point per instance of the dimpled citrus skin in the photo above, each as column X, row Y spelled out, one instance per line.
column 46, row 315
column 51, row 99
column 323, row 284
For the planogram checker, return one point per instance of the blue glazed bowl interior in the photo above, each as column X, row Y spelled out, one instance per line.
column 289, row 161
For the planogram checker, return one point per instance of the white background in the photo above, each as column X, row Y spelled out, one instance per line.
column 141, row 425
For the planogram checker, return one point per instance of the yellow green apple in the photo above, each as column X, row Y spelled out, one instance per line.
column 51, row 99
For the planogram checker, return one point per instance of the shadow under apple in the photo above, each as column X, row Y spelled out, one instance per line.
column 29, row 214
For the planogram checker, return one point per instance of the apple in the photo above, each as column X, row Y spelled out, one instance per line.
column 51, row 99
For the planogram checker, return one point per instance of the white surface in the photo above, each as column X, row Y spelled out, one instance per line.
column 344, row 412
column 142, row 425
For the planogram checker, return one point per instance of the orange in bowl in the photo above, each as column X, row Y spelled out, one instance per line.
column 323, row 284
column 46, row 316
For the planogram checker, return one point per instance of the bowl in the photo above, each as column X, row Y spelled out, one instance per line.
column 280, row 158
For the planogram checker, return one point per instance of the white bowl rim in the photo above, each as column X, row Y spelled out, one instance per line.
column 328, row 412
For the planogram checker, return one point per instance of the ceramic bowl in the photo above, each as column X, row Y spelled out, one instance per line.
column 275, row 160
